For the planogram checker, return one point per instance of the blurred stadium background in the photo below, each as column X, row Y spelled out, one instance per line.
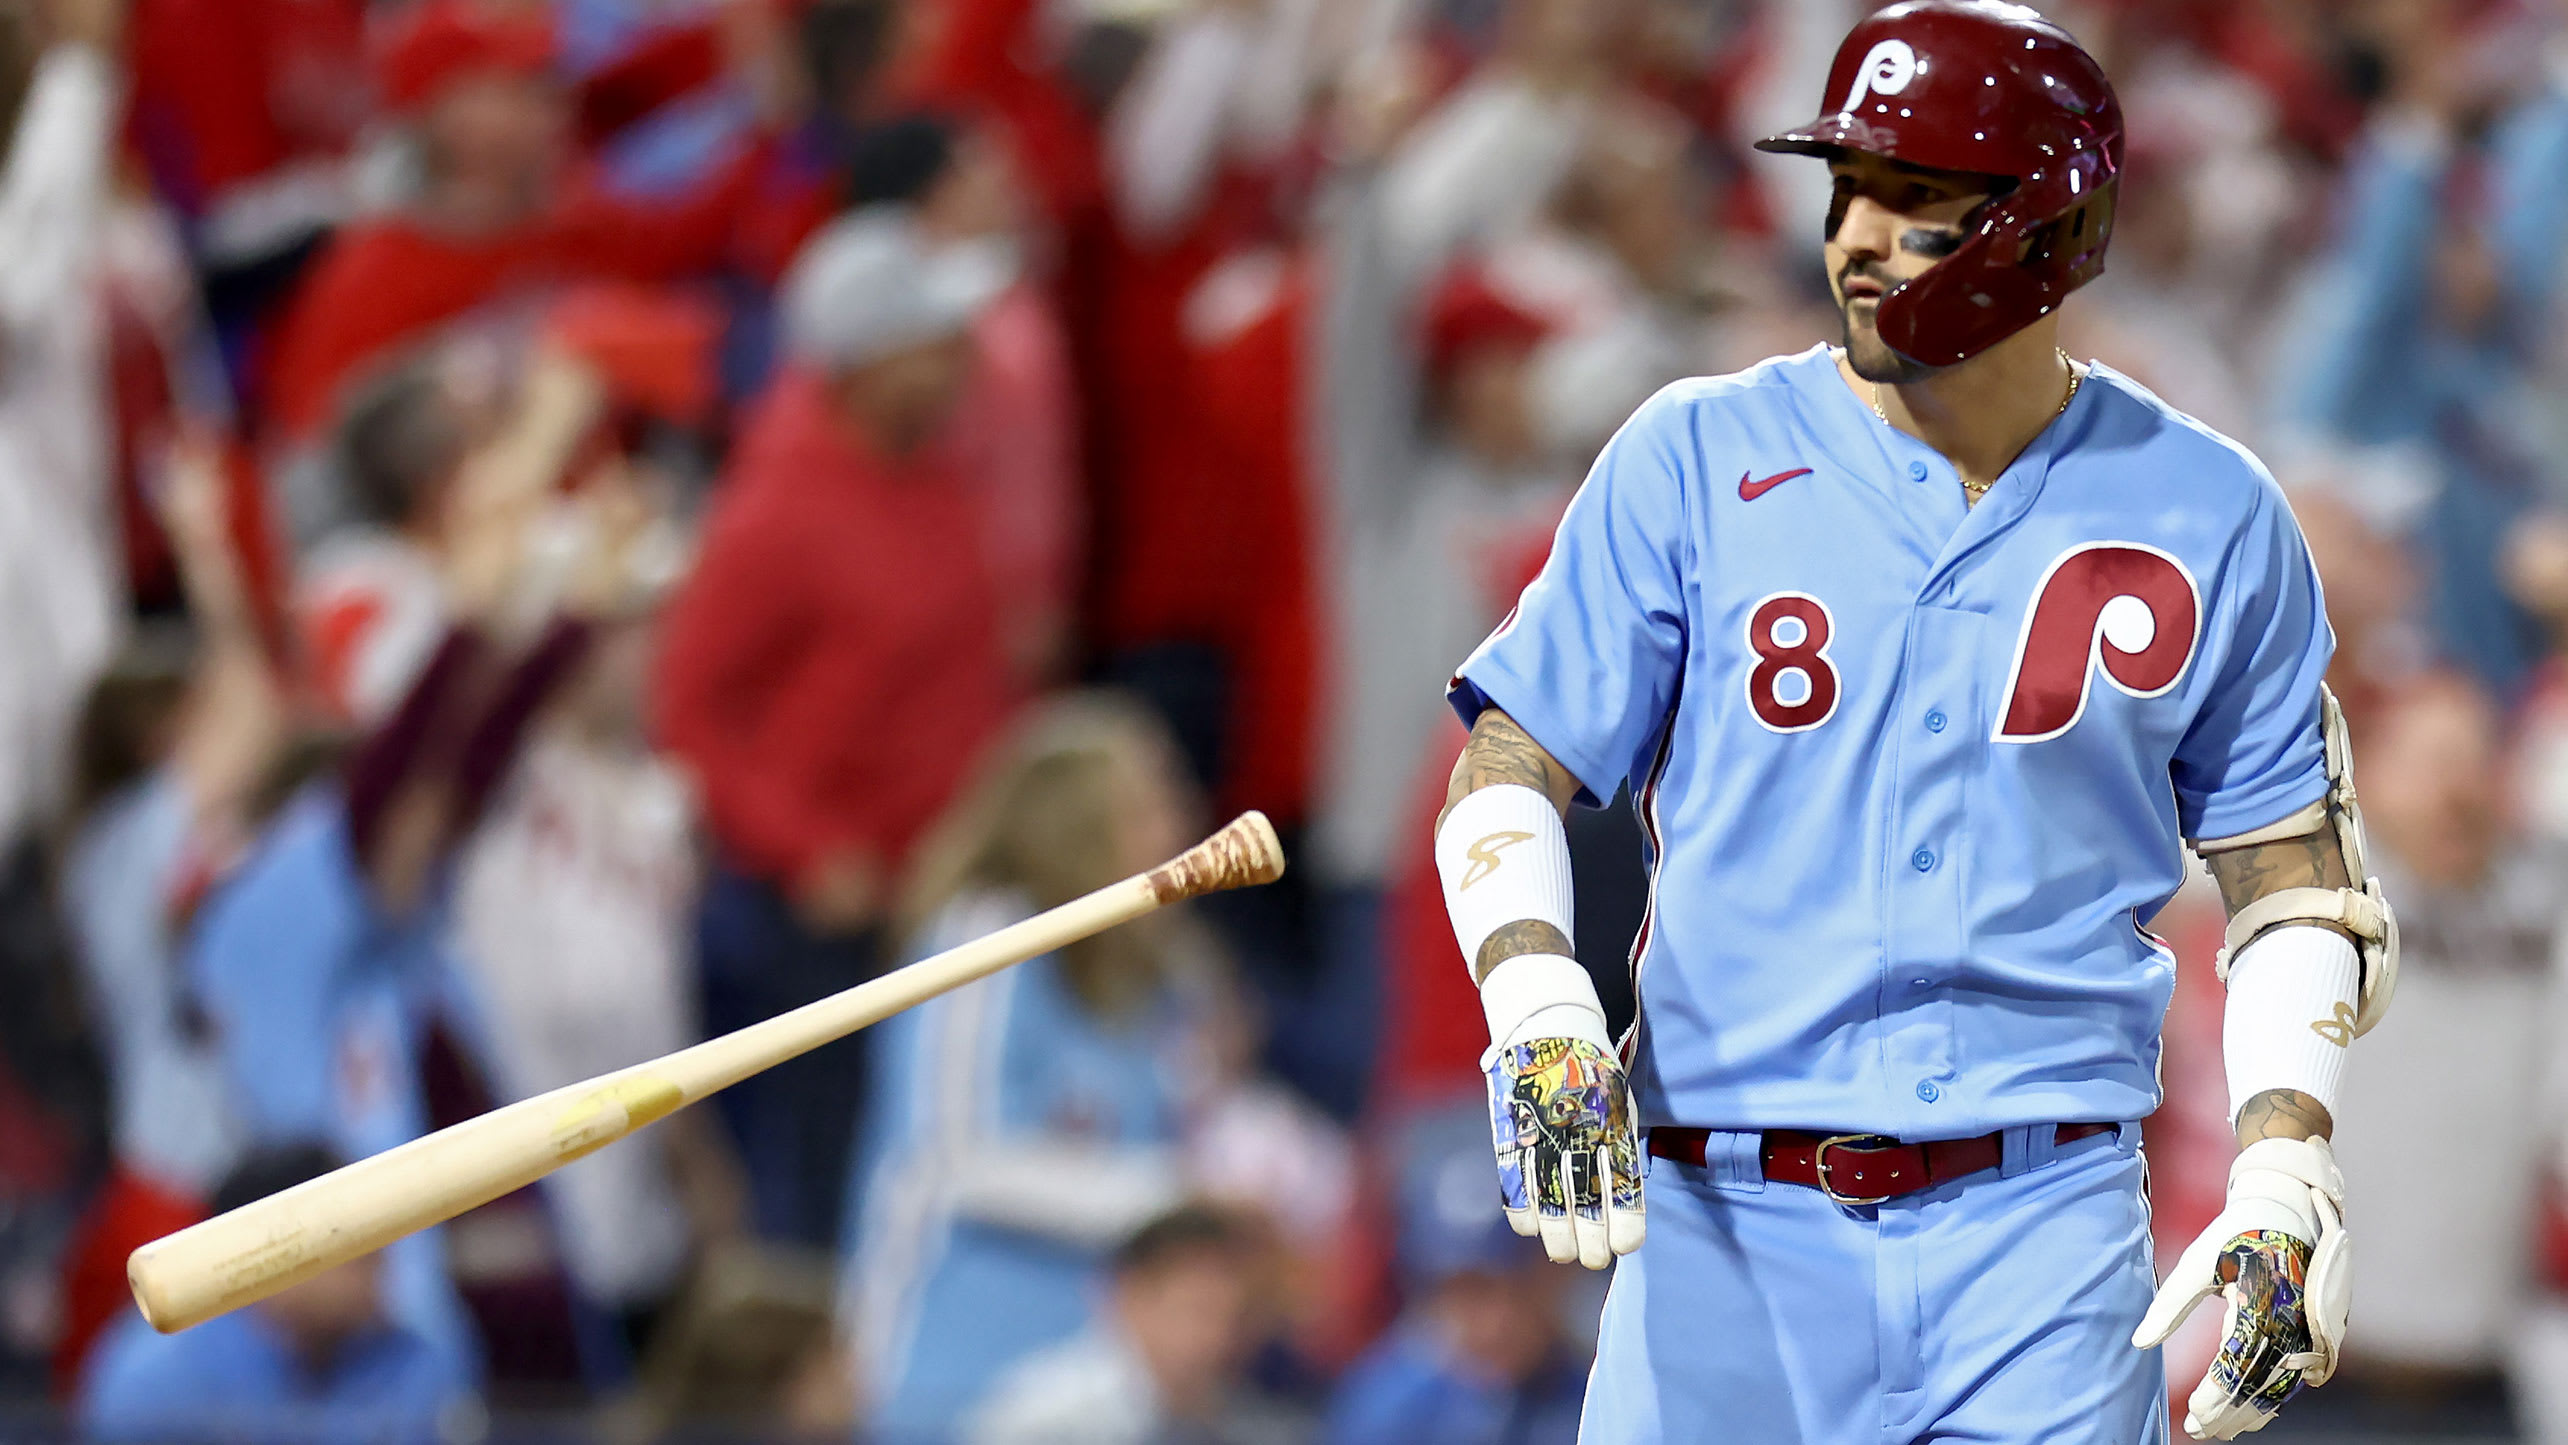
column 533, row 530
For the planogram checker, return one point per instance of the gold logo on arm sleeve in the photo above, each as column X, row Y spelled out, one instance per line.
column 1484, row 856
column 2338, row 1030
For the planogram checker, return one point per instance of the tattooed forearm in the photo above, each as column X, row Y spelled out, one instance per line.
column 1501, row 752
column 2311, row 861
column 1526, row 935
column 2247, row 874
column 2283, row 1114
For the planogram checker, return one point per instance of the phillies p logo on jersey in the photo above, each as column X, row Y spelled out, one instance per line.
column 2125, row 609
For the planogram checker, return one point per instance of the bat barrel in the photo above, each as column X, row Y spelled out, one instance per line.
column 278, row 1242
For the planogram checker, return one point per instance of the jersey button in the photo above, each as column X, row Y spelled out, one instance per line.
column 1916, row 471
column 1935, row 721
column 1922, row 859
column 1927, row 1091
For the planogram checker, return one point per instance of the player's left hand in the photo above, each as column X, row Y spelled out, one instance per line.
column 2277, row 1258
column 1569, row 1158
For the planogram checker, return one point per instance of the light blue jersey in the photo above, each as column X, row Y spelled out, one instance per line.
column 1013, row 1137
column 1914, row 774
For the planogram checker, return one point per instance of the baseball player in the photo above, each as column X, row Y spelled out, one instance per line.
column 1923, row 655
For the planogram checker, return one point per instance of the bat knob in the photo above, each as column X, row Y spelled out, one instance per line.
column 1244, row 852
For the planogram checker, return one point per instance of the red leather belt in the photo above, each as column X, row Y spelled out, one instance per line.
column 1862, row 1168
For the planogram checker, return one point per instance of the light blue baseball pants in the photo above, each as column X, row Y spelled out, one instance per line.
column 1996, row 1310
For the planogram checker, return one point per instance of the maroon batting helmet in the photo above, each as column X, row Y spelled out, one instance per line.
column 1995, row 90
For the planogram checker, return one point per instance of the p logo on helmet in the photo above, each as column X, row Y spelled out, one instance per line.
column 1886, row 70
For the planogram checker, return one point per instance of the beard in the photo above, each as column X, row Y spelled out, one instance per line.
column 1870, row 357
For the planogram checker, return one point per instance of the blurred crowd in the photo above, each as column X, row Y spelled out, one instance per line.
column 536, row 531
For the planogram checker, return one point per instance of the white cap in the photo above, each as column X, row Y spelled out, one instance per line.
column 872, row 283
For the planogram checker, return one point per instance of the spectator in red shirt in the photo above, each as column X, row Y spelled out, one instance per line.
column 497, row 209
column 836, row 663
column 1017, row 419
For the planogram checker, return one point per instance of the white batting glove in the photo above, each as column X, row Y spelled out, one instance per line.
column 1569, row 1160
column 1560, row 1110
column 2277, row 1258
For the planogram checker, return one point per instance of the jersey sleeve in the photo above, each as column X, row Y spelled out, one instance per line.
column 1588, row 660
column 2254, row 752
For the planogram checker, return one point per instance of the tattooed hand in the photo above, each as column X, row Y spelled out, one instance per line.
column 2276, row 1257
column 1569, row 1159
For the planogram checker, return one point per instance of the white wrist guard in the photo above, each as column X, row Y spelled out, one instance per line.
column 1542, row 996
column 2290, row 1016
column 2294, row 1176
column 1504, row 859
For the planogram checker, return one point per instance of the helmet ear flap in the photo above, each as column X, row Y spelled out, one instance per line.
column 2075, row 241
column 2017, row 265
column 1969, row 302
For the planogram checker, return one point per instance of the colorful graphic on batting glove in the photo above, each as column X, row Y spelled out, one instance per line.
column 1569, row 1158
column 2276, row 1256
column 2268, row 1270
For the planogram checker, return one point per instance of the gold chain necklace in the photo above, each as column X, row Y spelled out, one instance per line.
column 1981, row 490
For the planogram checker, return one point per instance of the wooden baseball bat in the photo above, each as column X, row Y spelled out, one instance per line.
column 258, row 1249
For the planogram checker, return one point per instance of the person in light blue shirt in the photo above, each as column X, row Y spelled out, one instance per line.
column 321, row 962
column 319, row 1363
column 1925, row 657
column 319, row 1001
column 1021, row 1127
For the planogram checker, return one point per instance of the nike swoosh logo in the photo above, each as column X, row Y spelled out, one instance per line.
column 1749, row 491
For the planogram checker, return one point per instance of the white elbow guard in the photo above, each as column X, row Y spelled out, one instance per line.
column 2360, row 910
column 1504, row 859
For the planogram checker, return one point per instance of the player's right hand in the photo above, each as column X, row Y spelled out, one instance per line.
column 1569, row 1157
column 2276, row 1257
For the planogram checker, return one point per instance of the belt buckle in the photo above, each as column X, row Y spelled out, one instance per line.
column 1819, row 1165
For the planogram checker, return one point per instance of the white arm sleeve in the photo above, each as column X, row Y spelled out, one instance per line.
column 1504, row 858
column 2290, row 1016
